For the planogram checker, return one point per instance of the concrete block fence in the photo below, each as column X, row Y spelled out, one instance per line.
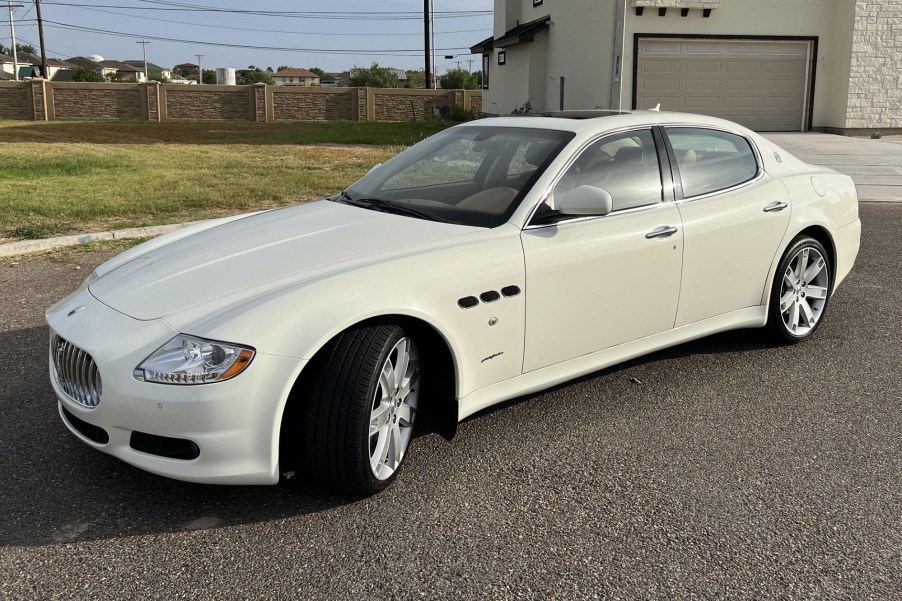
column 41, row 100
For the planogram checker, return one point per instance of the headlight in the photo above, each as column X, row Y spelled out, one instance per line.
column 191, row 360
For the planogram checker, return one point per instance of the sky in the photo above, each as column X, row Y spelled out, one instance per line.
column 333, row 35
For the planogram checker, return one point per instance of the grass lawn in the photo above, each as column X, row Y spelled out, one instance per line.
column 58, row 177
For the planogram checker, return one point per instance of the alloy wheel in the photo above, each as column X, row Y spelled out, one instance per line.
column 803, row 292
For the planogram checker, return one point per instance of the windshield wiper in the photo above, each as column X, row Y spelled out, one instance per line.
column 378, row 204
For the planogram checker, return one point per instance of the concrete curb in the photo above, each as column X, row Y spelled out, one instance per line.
column 22, row 247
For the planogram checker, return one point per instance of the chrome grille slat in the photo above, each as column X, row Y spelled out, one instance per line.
column 76, row 372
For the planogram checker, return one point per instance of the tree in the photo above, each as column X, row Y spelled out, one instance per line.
column 269, row 70
column 19, row 48
column 88, row 75
column 459, row 79
column 415, row 79
column 374, row 77
column 157, row 76
column 254, row 75
column 318, row 71
column 209, row 76
column 282, row 68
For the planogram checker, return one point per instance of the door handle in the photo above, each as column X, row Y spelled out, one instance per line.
column 775, row 207
column 665, row 231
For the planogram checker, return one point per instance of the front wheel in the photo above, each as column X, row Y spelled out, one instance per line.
column 800, row 291
column 360, row 409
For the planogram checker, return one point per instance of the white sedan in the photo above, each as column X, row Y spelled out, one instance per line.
column 494, row 259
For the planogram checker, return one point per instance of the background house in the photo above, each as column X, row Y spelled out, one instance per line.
column 151, row 67
column 297, row 77
column 125, row 72
column 93, row 62
column 54, row 65
column 773, row 66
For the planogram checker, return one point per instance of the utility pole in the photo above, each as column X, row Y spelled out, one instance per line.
column 426, row 20
column 200, row 69
column 44, row 72
column 12, row 32
column 432, row 26
column 144, row 44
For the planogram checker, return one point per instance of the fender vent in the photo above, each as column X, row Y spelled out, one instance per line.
column 509, row 291
column 468, row 302
column 490, row 296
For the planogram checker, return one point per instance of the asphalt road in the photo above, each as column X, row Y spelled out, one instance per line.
column 733, row 470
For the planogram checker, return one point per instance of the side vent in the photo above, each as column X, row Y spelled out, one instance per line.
column 468, row 302
column 489, row 296
column 509, row 291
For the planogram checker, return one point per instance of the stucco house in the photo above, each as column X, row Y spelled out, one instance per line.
column 794, row 65
column 295, row 77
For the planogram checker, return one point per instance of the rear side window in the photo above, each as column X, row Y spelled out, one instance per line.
column 711, row 160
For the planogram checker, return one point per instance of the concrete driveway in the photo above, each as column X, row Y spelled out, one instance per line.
column 875, row 165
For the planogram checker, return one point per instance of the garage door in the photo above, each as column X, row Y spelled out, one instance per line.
column 762, row 85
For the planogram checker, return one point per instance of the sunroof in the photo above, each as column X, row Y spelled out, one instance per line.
column 583, row 114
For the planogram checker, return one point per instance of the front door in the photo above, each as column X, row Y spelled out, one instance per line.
column 593, row 283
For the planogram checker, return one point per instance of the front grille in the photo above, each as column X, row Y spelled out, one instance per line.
column 76, row 372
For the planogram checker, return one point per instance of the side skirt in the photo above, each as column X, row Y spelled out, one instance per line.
column 553, row 375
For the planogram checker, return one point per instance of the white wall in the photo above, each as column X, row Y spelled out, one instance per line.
column 765, row 18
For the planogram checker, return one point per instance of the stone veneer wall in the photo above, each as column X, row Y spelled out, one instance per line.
column 875, row 81
column 391, row 106
column 26, row 100
column 14, row 101
column 309, row 104
column 97, row 101
column 226, row 103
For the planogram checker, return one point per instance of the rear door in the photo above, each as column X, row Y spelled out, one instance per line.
column 734, row 217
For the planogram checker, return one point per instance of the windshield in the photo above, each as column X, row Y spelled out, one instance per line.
column 468, row 175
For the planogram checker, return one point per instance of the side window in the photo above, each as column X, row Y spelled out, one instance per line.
column 711, row 160
column 626, row 165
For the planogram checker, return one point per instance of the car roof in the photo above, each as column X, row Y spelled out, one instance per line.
column 600, row 121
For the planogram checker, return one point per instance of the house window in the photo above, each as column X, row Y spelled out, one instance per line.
column 485, row 71
column 502, row 57
column 291, row 80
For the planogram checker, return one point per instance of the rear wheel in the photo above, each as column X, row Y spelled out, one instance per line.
column 360, row 409
column 800, row 292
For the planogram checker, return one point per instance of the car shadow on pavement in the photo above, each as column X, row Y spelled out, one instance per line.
column 734, row 341
column 56, row 489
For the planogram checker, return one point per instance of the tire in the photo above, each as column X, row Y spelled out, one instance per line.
column 799, row 299
column 359, row 409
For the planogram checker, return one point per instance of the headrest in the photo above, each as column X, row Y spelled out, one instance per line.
column 629, row 153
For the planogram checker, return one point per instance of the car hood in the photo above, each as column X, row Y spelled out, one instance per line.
column 249, row 256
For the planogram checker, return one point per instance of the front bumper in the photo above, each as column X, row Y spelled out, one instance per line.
column 235, row 424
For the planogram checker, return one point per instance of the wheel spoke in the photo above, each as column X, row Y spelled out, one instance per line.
column 387, row 380
column 805, row 310
column 401, row 361
column 786, row 300
column 405, row 414
column 393, row 456
column 793, row 318
column 802, row 264
column 377, row 459
column 379, row 417
column 789, row 278
column 815, row 292
column 815, row 268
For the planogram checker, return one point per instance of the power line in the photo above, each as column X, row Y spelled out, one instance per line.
column 241, row 28
column 362, row 51
column 337, row 15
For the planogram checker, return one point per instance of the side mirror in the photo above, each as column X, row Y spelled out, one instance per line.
column 587, row 200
